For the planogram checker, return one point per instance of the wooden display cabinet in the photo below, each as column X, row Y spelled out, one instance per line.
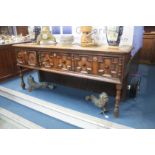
column 8, row 67
column 8, row 63
column 147, row 53
column 22, row 30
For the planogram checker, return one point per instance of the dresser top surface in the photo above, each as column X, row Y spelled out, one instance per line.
column 121, row 49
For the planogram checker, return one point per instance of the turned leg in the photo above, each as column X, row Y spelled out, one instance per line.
column 117, row 99
column 22, row 84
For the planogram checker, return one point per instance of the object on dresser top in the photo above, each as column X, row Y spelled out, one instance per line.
column 113, row 34
column 86, row 38
column 66, row 40
column 45, row 37
column 36, row 31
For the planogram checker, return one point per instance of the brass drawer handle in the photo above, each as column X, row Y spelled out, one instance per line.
column 100, row 70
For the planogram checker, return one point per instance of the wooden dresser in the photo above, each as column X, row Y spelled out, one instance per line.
column 103, row 64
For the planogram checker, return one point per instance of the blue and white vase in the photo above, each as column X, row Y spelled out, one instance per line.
column 113, row 35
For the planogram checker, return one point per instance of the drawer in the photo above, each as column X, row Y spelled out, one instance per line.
column 83, row 64
column 106, row 66
column 46, row 59
column 110, row 66
column 64, row 62
column 58, row 61
column 27, row 58
column 32, row 58
column 22, row 57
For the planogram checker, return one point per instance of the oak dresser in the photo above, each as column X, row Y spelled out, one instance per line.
column 102, row 63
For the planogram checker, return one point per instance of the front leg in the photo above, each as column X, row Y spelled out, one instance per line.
column 117, row 99
column 22, row 84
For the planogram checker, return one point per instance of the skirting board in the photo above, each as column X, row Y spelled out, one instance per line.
column 67, row 115
column 17, row 121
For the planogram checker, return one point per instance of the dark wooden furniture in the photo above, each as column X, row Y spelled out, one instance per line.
column 22, row 30
column 147, row 53
column 8, row 67
column 9, row 30
column 103, row 64
column 8, row 63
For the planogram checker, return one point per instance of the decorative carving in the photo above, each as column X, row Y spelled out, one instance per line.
column 110, row 67
column 95, row 65
column 34, row 85
column 83, row 64
column 22, row 57
column 94, row 58
column 22, row 84
column 32, row 58
column 117, row 99
column 46, row 60
column 65, row 62
column 100, row 102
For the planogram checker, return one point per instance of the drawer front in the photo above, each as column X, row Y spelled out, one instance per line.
column 58, row 61
column 83, row 64
column 22, row 57
column 64, row 62
column 27, row 58
column 46, row 59
column 106, row 66
column 32, row 58
column 110, row 66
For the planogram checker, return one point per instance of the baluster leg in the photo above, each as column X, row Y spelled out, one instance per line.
column 117, row 99
column 22, row 84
